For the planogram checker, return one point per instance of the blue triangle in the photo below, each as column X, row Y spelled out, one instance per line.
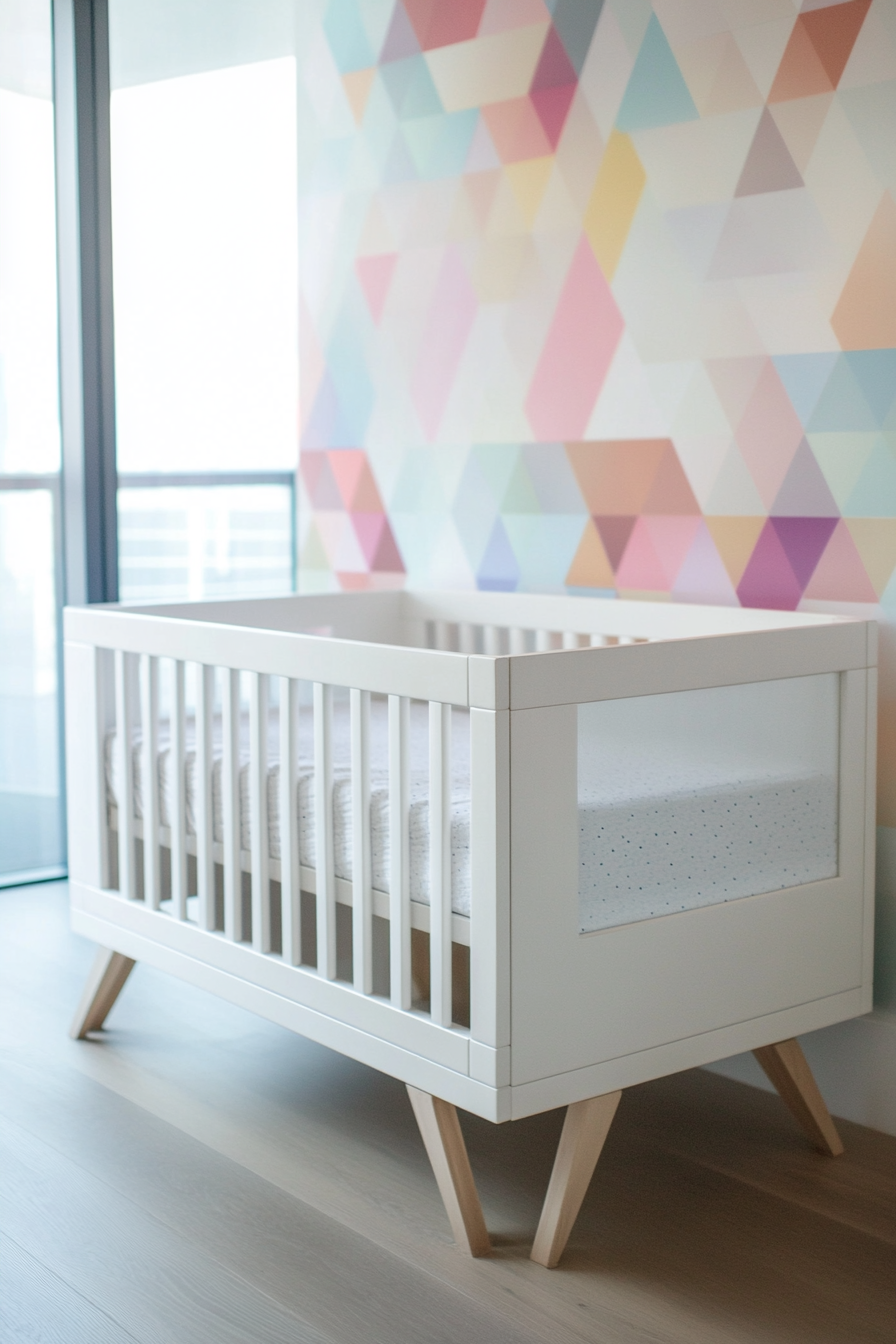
column 874, row 495
column 842, row 405
column 656, row 94
column 498, row 570
column 347, row 36
column 804, row 377
column 875, row 372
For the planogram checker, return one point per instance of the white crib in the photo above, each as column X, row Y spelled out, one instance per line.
column 519, row 851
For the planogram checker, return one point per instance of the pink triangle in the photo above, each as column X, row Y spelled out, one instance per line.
column 703, row 577
column 552, row 104
column 672, row 537
column 640, row 566
column 368, row 529
column 388, row 557
column 347, row 466
column 375, row 275
column 840, row 575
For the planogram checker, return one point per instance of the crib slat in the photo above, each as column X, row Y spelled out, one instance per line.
column 124, row 722
column 323, row 830
column 258, row 811
column 149, row 712
column 517, row 639
column 205, row 869
column 290, row 859
column 177, row 763
column 230, row 805
column 491, row 640
column 362, row 898
column 440, row 863
column 399, row 884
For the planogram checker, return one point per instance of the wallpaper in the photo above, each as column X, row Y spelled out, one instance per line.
column 601, row 297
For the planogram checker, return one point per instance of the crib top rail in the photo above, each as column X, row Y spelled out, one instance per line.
column 486, row 650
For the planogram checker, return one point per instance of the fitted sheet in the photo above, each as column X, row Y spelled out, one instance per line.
column 648, row 845
column 418, row 788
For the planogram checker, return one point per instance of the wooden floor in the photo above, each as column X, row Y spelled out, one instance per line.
column 202, row 1176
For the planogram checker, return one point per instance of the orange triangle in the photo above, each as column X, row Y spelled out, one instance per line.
column 875, row 540
column 840, row 575
column 670, row 492
column 615, row 476
column 865, row 316
column 801, row 71
column 590, row 567
column 366, row 498
column 357, row 87
column 735, row 540
column 833, row 30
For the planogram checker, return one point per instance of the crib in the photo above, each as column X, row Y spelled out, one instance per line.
column 518, row 851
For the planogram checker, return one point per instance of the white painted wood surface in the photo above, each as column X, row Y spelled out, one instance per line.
column 555, row 1016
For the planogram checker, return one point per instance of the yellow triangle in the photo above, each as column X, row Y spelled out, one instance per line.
column 590, row 567
column 614, row 200
column 875, row 540
column 735, row 540
column 357, row 87
column 528, row 181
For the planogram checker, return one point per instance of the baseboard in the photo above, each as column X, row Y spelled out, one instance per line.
column 854, row 1063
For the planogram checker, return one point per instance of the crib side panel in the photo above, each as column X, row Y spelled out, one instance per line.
column 87, row 717
column 584, row 999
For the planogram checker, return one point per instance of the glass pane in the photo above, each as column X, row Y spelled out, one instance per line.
column 204, row 236
column 29, row 419
column 30, row 813
column 191, row 543
column 700, row 797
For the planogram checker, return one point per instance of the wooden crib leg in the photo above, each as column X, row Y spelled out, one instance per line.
column 585, row 1129
column 104, row 984
column 444, row 1142
column 786, row 1068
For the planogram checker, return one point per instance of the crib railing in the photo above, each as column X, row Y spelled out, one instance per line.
column 497, row 640
column 210, row 892
column 206, row 688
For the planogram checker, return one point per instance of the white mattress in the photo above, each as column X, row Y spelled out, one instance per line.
column 342, row 808
column 649, row 844
column 664, row 850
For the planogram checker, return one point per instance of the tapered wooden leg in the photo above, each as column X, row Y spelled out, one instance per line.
column 585, row 1129
column 104, row 984
column 444, row 1142
column 786, row 1068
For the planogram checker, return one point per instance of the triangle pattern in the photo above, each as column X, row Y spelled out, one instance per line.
column 656, row 93
column 840, row 575
column 591, row 566
column 769, row 165
column 865, row 315
column 804, row 489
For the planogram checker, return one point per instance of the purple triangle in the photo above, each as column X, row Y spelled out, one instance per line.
column 554, row 70
column 768, row 166
column 804, row 540
column 401, row 40
column 769, row 580
column 804, row 491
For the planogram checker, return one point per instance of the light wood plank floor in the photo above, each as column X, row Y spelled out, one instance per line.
column 203, row 1177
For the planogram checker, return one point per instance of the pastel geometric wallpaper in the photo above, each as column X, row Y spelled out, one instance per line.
column 602, row 297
